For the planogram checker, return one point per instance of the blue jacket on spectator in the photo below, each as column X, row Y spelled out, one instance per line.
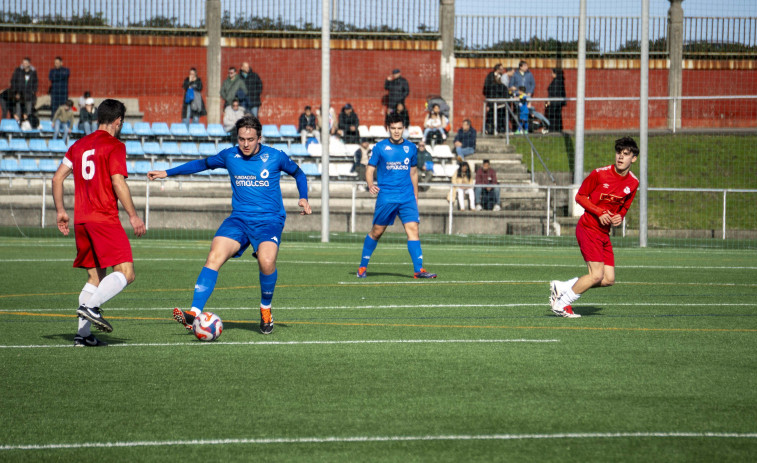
column 524, row 80
column 467, row 138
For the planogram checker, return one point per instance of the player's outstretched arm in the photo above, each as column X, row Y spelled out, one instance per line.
column 124, row 195
column 305, row 205
column 62, row 216
column 156, row 174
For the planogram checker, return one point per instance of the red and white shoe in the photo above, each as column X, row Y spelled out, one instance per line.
column 185, row 318
column 568, row 313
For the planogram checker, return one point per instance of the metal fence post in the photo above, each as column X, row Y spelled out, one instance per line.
column 147, row 203
column 353, row 211
column 44, row 197
column 451, row 208
column 724, row 197
column 549, row 191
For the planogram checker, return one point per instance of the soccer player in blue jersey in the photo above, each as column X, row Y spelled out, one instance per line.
column 395, row 160
column 257, row 216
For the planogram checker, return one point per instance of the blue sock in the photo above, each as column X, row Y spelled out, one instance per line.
column 206, row 283
column 267, row 285
column 369, row 245
column 414, row 248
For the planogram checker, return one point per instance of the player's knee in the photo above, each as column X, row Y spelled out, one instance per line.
column 129, row 275
column 597, row 277
column 608, row 281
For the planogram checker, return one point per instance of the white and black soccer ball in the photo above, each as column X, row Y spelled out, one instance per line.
column 207, row 326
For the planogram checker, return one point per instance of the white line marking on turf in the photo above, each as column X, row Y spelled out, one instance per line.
column 301, row 343
column 331, row 439
column 457, row 282
column 405, row 306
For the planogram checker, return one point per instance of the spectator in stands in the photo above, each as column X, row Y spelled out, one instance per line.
column 348, row 125
column 332, row 119
column 465, row 140
column 523, row 111
column 63, row 119
column 233, row 88
column 400, row 109
column 486, row 196
column 29, row 122
column 494, row 88
column 88, row 116
column 231, row 114
column 362, row 156
column 398, row 89
column 16, row 106
column 58, row 76
column 434, row 126
column 83, row 98
column 24, row 81
column 5, row 104
column 462, row 178
column 308, row 126
column 253, row 86
column 193, row 106
column 425, row 166
column 523, row 78
column 556, row 89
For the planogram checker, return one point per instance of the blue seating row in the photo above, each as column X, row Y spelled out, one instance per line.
column 159, row 129
column 36, row 166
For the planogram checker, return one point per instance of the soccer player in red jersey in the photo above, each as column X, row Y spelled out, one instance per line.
column 98, row 163
column 606, row 194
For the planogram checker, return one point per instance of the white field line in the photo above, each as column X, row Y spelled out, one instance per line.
column 351, row 439
column 300, row 343
column 435, row 264
column 437, row 281
column 400, row 306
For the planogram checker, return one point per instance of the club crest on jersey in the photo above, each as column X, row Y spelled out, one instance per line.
column 264, row 173
column 407, row 149
column 626, row 190
column 264, row 157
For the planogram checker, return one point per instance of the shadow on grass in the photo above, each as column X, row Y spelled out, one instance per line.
column 588, row 311
column 69, row 337
column 384, row 274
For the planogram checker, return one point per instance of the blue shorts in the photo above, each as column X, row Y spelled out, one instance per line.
column 386, row 212
column 248, row 233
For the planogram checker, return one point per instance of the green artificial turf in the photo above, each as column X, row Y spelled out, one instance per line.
column 471, row 366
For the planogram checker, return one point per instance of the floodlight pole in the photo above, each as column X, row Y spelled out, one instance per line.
column 325, row 113
column 643, row 123
column 578, row 171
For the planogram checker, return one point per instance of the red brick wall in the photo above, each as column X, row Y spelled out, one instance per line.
column 292, row 79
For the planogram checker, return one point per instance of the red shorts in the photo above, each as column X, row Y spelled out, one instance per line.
column 595, row 246
column 101, row 245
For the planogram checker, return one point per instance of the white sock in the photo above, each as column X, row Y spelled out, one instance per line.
column 569, row 284
column 195, row 311
column 85, row 295
column 567, row 298
column 109, row 287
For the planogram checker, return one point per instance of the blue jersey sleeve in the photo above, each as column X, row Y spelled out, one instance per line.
column 291, row 168
column 192, row 167
column 374, row 159
column 413, row 156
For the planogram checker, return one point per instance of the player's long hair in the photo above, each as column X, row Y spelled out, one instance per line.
column 460, row 174
column 250, row 122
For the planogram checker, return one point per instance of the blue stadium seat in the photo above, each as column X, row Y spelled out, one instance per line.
column 127, row 129
column 134, row 148
column 4, row 144
column 130, row 167
column 48, row 165
column 152, row 148
column 28, row 165
column 9, row 126
column 216, row 130
column 76, row 130
column 19, row 145
column 219, row 172
column 208, row 149
column 160, row 165
column 171, row 148
column 198, row 130
column 57, row 146
column 298, row 149
column 46, row 126
column 281, row 147
column 271, row 131
column 160, row 129
column 178, row 129
column 142, row 129
column 189, row 148
column 38, row 145
column 289, row 131
column 9, row 165
column 224, row 145
column 142, row 167
column 310, row 169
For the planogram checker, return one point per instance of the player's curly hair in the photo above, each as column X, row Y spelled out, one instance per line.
column 250, row 122
column 626, row 143
column 393, row 118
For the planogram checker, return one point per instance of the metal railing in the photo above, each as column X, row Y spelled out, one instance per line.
column 550, row 217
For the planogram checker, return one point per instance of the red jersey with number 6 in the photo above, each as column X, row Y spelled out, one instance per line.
column 610, row 191
column 94, row 159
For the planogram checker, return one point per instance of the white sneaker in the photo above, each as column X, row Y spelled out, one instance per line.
column 497, row 208
column 478, row 207
column 555, row 294
column 568, row 313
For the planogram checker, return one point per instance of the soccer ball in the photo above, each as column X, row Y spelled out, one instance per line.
column 207, row 326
